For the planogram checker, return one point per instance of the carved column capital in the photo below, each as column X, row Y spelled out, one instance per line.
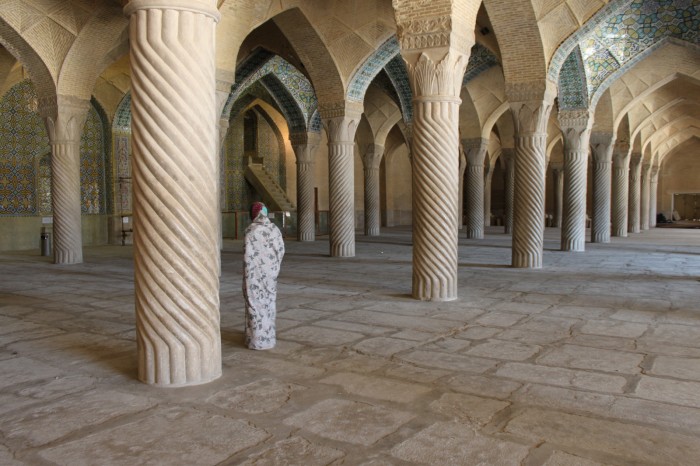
column 372, row 157
column 342, row 127
column 64, row 116
column 475, row 150
column 439, row 80
column 205, row 7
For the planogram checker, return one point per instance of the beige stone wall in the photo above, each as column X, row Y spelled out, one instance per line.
column 20, row 233
column 679, row 174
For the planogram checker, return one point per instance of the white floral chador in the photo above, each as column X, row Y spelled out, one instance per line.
column 262, row 256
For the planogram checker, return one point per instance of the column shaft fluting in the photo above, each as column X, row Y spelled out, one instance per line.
column 528, row 205
column 558, row 174
column 65, row 117
column 644, row 201
column 635, row 175
column 600, row 222
column 487, row 198
column 509, row 158
column 304, row 146
column 573, row 228
column 620, row 195
column 174, row 134
column 461, row 195
column 65, row 202
column 341, row 184
column 475, row 152
column 653, row 188
column 602, row 144
column 371, row 161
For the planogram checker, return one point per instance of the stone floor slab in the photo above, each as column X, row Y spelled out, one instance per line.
column 680, row 368
column 159, row 438
column 262, row 396
column 562, row 377
column 582, row 357
column 669, row 391
column 349, row 421
column 295, row 450
column 455, row 443
column 379, row 388
column 468, row 408
column 500, row 349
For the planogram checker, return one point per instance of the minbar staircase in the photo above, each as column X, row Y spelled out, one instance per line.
column 272, row 193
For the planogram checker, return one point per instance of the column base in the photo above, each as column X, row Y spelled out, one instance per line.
column 527, row 261
column 573, row 246
column 475, row 233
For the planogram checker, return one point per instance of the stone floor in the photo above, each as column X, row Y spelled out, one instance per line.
column 594, row 359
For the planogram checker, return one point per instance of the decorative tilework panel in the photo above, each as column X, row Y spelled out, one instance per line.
column 24, row 142
column 122, row 149
column 370, row 68
column 92, row 165
column 122, row 119
column 270, row 146
column 572, row 83
column 396, row 70
column 480, row 60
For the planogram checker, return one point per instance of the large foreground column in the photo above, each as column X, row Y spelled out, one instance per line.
column 653, row 188
column 304, row 146
column 635, row 196
column 558, row 175
column 174, row 134
column 620, row 189
column 531, row 104
column 460, row 199
column 644, row 201
column 371, row 161
column 65, row 117
column 341, row 181
column 602, row 146
column 475, row 150
column 576, row 127
column 508, row 155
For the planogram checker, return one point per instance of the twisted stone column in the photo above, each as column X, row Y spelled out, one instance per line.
column 476, row 151
column 487, row 197
column 462, row 168
column 644, row 201
column 653, row 192
column 174, row 136
column 341, row 178
column 530, row 118
column 65, row 118
column 371, row 160
column 435, row 174
column 576, row 127
column 558, row 174
column 223, row 89
column 508, row 155
column 304, row 146
column 635, row 193
column 620, row 190
column 602, row 146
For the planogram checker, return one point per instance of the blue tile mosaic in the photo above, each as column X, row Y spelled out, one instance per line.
column 480, row 60
column 370, row 68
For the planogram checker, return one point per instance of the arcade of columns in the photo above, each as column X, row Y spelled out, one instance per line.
column 176, row 131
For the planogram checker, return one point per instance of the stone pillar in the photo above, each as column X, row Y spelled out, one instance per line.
column 558, row 178
column 304, row 146
column 620, row 189
column 174, row 137
column 487, row 196
column 435, row 40
column 602, row 145
column 576, row 127
column 475, row 150
column 531, row 104
column 508, row 155
column 653, row 192
column 65, row 118
column 462, row 168
column 644, row 201
column 635, row 192
column 371, row 160
column 341, row 128
column 223, row 90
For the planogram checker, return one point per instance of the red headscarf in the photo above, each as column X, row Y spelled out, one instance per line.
column 256, row 208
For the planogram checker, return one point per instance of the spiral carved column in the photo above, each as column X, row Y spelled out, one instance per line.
column 487, row 197
column 174, row 134
column 653, row 189
column 462, row 168
column 602, row 144
column 435, row 174
column 530, row 119
column 576, row 126
column 371, row 161
column 635, row 196
column 644, row 201
column 620, row 190
column 476, row 152
column 304, row 146
column 509, row 187
column 65, row 117
column 558, row 173
column 341, row 179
